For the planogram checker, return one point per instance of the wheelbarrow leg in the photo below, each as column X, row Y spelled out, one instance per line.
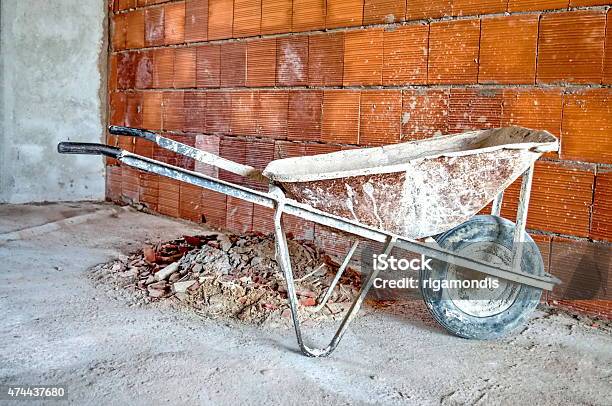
column 497, row 204
column 284, row 261
column 341, row 270
column 521, row 219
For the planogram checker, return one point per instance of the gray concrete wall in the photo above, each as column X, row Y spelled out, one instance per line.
column 53, row 63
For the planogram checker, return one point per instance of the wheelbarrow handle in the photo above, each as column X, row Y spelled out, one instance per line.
column 191, row 152
column 132, row 132
column 87, row 148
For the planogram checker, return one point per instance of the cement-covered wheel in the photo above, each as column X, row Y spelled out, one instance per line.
column 476, row 312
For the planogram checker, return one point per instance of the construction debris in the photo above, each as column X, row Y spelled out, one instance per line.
column 232, row 276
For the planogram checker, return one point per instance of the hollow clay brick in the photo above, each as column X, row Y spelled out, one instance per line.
column 152, row 110
column 208, row 66
column 214, row 205
column 453, row 52
column 163, row 68
column 363, row 57
column 154, row 26
column 474, row 109
column 173, row 112
column 426, row 9
column 119, row 32
column 601, row 223
column 380, row 115
column 239, row 215
column 383, row 11
column 233, row 64
column 538, row 109
column 405, row 55
column 184, row 68
column 344, row 13
column 326, row 59
column 308, row 15
column 340, row 123
column 174, row 23
column 218, row 112
column 536, row 5
column 424, row 113
column 571, row 47
column 195, row 112
column 561, row 197
column 272, row 113
column 247, row 18
column 220, row 19
column 144, row 70
column 587, row 126
column 244, row 113
column 515, row 61
column 261, row 63
column 292, row 61
column 196, row 20
column 135, row 23
column 305, row 112
column 276, row 16
column 470, row 7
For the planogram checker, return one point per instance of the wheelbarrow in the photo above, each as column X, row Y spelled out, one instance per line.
column 422, row 197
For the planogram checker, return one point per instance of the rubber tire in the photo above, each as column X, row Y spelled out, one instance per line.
column 453, row 319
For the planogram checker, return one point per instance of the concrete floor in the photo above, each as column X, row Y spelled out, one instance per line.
column 58, row 328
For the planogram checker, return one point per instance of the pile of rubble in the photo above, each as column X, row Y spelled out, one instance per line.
column 231, row 276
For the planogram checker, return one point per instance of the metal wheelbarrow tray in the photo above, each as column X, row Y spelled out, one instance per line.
column 396, row 195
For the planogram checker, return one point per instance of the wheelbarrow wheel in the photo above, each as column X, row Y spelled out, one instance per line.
column 473, row 309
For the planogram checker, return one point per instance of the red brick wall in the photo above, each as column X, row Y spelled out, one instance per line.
column 255, row 80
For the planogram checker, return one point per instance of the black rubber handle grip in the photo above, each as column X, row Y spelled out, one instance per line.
column 132, row 132
column 87, row 148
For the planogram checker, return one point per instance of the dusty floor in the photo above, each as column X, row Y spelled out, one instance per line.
column 57, row 328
